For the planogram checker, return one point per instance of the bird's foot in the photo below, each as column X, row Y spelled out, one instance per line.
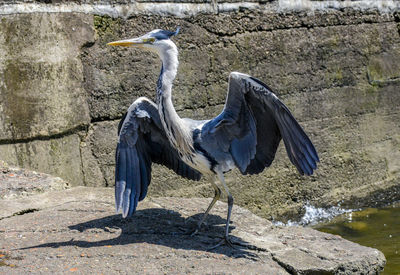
column 195, row 232
column 224, row 241
column 191, row 232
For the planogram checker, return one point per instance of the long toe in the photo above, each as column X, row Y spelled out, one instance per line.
column 191, row 232
column 225, row 241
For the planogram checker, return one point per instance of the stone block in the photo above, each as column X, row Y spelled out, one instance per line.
column 41, row 74
column 57, row 156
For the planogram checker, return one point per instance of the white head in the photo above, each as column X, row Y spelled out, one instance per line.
column 157, row 41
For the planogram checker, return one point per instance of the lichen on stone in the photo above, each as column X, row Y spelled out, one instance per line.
column 105, row 26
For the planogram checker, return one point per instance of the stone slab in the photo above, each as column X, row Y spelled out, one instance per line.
column 41, row 91
column 57, row 156
column 78, row 230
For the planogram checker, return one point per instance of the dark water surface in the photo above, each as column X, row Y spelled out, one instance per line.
column 377, row 228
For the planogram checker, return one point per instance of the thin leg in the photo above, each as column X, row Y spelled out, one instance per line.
column 228, row 218
column 217, row 195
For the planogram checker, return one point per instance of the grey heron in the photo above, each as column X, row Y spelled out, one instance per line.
column 245, row 135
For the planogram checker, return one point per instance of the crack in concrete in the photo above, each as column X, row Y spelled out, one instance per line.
column 285, row 266
column 301, row 26
column 85, row 128
column 68, row 132
column 20, row 213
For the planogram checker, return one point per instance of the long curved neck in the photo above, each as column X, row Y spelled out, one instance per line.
column 168, row 72
column 177, row 132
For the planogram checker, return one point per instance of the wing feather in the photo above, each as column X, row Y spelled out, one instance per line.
column 251, row 126
column 120, row 184
column 142, row 141
column 299, row 147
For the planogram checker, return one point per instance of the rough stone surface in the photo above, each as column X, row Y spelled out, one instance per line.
column 58, row 156
column 76, row 230
column 41, row 74
column 63, row 91
column 187, row 8
column 17, row 182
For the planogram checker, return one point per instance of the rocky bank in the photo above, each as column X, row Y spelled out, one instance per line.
column 76, row 230
column 336, row 64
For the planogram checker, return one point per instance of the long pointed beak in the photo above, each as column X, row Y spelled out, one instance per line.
column 127, row 43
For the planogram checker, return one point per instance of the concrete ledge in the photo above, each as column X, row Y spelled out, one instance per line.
column 77, row 230
column 178, row 8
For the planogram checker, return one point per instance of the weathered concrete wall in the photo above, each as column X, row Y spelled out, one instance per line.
column 62, row 90
column 43, row 102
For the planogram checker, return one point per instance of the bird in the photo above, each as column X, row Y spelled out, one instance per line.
column 245, row 135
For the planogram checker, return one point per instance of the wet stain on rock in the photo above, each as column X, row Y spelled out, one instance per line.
column 20, row 108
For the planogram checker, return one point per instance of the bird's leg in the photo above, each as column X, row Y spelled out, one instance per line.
column 217, row 195
column 228, row 218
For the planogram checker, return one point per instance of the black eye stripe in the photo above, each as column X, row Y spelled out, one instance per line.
column 162, row 34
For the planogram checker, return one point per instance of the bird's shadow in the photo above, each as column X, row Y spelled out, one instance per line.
column 161, row 227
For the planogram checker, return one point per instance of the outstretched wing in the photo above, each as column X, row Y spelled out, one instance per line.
column 142, row 141
column 252, row 124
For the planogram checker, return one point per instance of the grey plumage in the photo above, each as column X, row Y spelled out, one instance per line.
column 142, row 141
column 246, row 134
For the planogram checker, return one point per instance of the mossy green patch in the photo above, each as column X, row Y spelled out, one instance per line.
column 383, row 68
column 334, row 41
column 375, row 72
column 106, row 26
column 339, row 74
column 371, row 89
column 334, row 75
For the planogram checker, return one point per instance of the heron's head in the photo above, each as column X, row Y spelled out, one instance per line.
column 156, row 40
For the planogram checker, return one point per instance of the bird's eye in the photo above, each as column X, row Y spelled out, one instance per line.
column 150, row 40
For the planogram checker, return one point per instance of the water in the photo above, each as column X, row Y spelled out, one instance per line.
column 377, row 228
column 314, row 215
